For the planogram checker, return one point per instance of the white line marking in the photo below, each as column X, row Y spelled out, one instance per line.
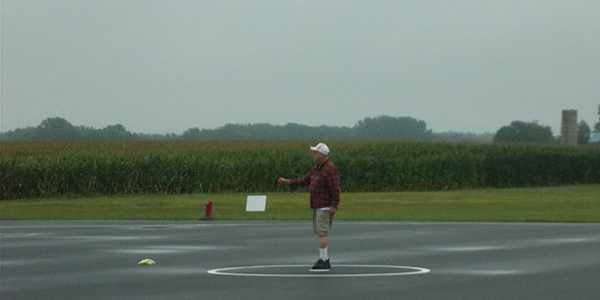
column 481, row 272
column 225, row 271
column 169, row 249
column 469, row 249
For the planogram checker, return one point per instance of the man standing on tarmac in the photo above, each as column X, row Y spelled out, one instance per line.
column 324, row 198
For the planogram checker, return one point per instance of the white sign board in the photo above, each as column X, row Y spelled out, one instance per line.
column 256, row 203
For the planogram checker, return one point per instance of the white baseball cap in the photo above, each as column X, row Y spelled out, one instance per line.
column 320, row 147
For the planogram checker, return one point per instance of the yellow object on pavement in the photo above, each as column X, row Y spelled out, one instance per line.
column 147, row 261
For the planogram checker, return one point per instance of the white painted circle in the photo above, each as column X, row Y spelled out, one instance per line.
column 243, row 271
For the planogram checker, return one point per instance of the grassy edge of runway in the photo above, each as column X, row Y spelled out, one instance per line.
column 579, row 203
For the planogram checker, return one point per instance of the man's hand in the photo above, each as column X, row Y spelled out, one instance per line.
column 283, row 181
column 332, row 210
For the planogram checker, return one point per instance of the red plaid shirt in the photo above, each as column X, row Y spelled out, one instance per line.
column 324, row 183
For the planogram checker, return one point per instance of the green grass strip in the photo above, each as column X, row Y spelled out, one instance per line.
column 555, row 204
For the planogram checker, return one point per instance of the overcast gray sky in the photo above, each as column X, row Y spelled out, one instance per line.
column 159, row 66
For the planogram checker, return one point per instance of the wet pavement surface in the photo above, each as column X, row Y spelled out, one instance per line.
column 271, row 260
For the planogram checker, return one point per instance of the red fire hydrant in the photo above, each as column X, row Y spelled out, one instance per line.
column 208, row 210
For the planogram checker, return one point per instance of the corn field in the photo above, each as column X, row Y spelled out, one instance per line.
column 53, row 169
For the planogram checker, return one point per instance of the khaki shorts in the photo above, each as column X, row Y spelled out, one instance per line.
column 322, row 222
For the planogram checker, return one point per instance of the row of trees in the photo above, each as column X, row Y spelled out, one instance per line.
column 378, row 128
column 59, row 129
column 532, row 132
column 597, row 126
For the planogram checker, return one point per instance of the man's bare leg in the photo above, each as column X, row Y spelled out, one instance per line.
column 323, row 247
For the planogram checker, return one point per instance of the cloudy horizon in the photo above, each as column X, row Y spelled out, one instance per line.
column 158, row 66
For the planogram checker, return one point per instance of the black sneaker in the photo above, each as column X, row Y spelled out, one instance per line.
column 321, row 266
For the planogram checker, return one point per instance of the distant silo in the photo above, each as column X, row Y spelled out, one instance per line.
column 569, row 127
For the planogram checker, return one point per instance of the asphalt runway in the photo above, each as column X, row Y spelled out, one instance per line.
column 270, row 260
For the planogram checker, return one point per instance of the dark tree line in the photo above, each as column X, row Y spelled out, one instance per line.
column 524, row 132
column 378, row 128
column 532, row 132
